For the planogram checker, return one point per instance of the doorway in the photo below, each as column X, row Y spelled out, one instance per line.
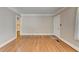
column 17, row 28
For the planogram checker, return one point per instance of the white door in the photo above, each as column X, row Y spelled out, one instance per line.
column 57, row 25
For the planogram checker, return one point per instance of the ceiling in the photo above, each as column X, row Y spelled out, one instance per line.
column 36, row 10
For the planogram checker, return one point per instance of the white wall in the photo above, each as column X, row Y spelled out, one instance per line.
column 77, row 25
column 37, row 25
column 67, row 19
column 7, row 25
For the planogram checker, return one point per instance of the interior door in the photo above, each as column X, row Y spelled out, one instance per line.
column 57, row 25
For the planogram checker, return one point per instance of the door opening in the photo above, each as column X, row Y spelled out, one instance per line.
column 17, row 28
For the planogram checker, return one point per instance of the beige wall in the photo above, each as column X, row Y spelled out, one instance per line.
column 67, row 19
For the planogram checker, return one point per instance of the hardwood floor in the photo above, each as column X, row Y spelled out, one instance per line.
column 37, row 43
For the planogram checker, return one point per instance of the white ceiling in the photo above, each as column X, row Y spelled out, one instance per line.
column 36, row 10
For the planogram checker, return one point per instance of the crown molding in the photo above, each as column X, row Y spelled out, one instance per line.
column 14, row 10
column 37, row 14
column 59, row 11
column 62, row 9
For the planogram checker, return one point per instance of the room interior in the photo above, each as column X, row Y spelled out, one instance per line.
column 39, row 29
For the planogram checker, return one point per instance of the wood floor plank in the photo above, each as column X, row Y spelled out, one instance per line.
column 37, row 43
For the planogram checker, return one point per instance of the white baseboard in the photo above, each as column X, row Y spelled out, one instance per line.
column 5, row 43
column 36, row 33
column 70, row 44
